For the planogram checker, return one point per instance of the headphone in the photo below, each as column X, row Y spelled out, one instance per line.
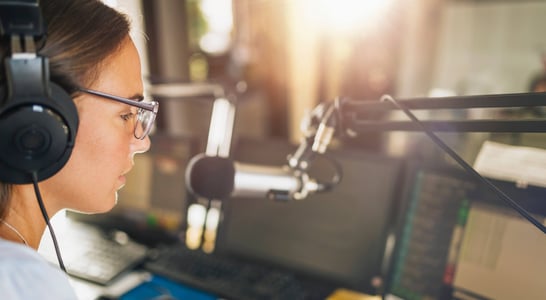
column 38, row 118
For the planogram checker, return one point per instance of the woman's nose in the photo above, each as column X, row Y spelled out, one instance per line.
column 142, row 145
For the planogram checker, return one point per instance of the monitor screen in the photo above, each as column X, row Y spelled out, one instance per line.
column 434, row 204
column 338, row 235
column 458, row 240
column 502, row 253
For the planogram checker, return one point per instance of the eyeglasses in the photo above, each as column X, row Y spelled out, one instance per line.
column 145, row 116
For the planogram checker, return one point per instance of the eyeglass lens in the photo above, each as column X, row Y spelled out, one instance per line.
column 144, row 123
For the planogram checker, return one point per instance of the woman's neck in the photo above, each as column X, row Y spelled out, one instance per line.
column 24, row 218
column 10, row 230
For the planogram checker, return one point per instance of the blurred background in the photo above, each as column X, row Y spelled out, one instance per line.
column 275, row 61
column 293, row 54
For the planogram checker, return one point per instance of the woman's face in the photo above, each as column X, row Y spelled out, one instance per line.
column 105, row 144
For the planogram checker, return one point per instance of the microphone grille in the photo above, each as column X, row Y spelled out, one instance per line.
column 210, row 177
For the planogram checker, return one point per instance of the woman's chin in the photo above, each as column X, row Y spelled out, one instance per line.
column 105, row 206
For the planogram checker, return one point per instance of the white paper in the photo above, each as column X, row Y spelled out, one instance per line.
column 522, row 165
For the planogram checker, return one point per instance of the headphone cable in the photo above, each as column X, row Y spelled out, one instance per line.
column 46, row 218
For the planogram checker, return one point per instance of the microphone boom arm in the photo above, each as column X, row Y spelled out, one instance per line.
column 353, row 117
column 354, row 114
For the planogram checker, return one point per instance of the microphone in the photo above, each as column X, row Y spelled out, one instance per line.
column 215, row 177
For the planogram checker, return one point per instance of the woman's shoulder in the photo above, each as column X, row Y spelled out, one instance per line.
column 10, row 251
column 25, row 274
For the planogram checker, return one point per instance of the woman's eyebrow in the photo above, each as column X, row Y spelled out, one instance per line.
column 137, row 97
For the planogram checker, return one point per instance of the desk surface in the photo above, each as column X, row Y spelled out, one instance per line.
column 140, row 284
column 143, row 286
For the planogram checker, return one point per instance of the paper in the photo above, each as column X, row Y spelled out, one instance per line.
column 522, row 165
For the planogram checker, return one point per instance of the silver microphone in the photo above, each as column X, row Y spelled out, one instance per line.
column 216, row 177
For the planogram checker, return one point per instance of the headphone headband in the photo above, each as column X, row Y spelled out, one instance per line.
column 21, row 17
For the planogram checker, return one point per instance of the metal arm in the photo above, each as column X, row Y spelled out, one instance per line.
column 358, row 116
column 351, row 118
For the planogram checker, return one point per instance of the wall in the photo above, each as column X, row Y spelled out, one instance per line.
column 469, row 48
column 472, row 47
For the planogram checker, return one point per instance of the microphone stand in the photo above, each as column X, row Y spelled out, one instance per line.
column 353, row 117
column 353, row 114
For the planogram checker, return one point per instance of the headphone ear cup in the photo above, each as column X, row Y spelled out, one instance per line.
column 36, row 137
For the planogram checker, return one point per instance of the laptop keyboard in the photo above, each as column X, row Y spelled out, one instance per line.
column 95, row 255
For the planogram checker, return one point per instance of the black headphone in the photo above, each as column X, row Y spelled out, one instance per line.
column 38, row 118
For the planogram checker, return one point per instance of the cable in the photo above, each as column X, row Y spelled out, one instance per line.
column 46, row 218
column 466, row 166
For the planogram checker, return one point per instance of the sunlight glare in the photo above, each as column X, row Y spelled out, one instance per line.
column 346, row 16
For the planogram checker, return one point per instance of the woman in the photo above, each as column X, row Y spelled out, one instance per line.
column 92, row 57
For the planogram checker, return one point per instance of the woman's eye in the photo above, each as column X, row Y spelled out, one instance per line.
column 128, row 116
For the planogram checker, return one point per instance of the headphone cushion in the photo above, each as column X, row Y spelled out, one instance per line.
column 37, row 136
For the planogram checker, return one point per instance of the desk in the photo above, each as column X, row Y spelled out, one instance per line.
column 144, row 286
column 139, row 284
column 86, row 290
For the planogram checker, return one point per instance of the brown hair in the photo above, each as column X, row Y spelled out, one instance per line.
column 81, row 34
